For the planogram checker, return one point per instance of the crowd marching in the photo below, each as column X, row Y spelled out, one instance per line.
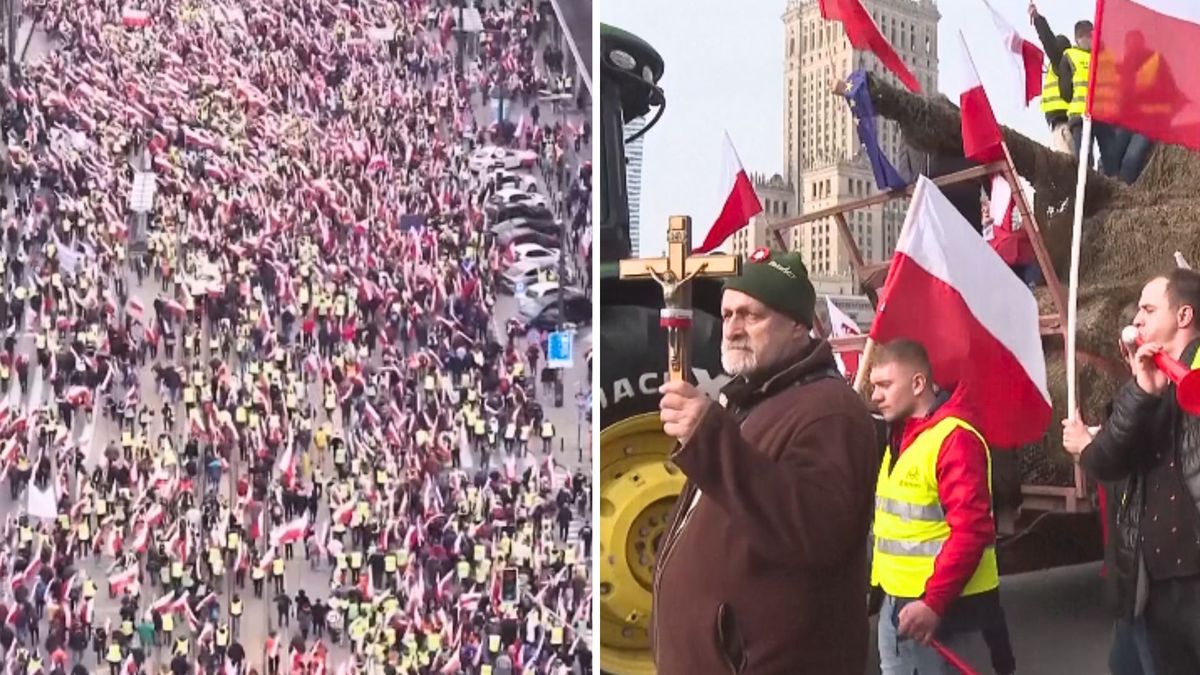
column 296, row 353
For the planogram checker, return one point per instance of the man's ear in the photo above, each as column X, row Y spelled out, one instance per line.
column 1185, row 316
column 920, row 383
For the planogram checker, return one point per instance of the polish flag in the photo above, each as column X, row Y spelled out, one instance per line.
column 1026, row 57
column 344, row 513
column 841, row 325
column 982, row 140
column 136, row 310
column 1145, row 56
column 864, row 35
column 741, row 202
column 979, row 323
column 118, row 582
column 287, row 465
column 1011, row 244
column 154, row 516
column 135, row 18
column 289, row 532
column 141, row 538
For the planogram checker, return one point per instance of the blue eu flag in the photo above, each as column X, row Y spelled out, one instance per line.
column 859, row 97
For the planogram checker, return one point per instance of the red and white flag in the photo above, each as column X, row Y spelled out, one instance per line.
column 741, row 202
column 287, row 465
column 136, row 310
column 1026, row 57
column 864, row 35
column 121, row 580
column 289, row 532
column 135, row 18
column 948, row 291
column 344, row 513
column 841, row 325
column 1143, row 74
column 980, row 133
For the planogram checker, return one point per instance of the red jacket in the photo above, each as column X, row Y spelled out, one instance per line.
column 962, row 477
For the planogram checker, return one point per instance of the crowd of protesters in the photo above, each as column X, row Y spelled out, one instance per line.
column 296, row 349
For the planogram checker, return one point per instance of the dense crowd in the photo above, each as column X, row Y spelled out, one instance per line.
column 295, row 351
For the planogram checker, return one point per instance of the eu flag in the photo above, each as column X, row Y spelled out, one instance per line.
column 859, row 97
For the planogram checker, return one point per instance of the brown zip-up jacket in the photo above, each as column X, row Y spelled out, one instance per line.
column 768, row 574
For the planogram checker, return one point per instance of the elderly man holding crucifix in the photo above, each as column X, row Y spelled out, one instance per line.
column 763, row 568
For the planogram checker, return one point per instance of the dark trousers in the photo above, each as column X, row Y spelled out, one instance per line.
column 1173, row 625
column 1130, row 650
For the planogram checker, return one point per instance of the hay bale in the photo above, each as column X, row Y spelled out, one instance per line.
column 1129, row 234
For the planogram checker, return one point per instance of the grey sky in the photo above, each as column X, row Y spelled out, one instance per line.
column 724, row 70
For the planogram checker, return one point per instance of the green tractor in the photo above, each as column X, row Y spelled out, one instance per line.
column 638, row 485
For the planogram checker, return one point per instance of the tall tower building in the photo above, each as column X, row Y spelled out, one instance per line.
column 825, row 161
column 633, row 182
column 778, row 199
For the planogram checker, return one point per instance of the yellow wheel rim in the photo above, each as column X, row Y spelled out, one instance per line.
column 638, row 487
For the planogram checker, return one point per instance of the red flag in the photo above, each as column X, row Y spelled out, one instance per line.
column 1143, row 74
column 841, row 325
column 864, row 34
column 289, row 532
column 741, row 202
column 948, row 291
column 981, row 135
column 1026, row 57
column 118, row 582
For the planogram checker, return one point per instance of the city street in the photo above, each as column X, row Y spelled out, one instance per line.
column 571, row 448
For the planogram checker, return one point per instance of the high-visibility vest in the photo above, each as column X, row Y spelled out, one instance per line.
column 231, row 541
column 1082, row 63
column 89, row 589
column 223, row 637
column 257, row 573
column 85, row 532
column 910, row 525
column 389, row 563
column 176, row 569
column 277, row 567
column 168, row 622
column 547, row 430
column 355, row 560
column 235, row 608
column 127, row 627
column 114, row 653
column 1052, row 100
column 181, row 647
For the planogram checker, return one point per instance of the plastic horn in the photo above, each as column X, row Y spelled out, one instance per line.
column 1187, row 381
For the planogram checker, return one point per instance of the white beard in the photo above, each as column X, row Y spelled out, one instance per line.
column 738, row 361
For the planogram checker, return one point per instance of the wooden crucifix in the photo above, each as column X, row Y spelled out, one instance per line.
column 673, row 273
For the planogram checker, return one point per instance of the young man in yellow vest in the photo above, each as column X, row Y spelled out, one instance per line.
column 1053, row 106
column 934, row 551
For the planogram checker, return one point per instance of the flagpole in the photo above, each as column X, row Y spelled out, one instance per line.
column 1073, row 283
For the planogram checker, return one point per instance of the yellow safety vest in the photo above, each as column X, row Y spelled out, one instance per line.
column 127, row 627
column 1082, row 62
column 277, row 567
column 235, row 608
column 389, row 563
column 910, row 526
column 1052, row 100
column 355, row 560
column 168, row 622
column 181, row 647
column 547, row 430
column 222, row 637
column 114, row 653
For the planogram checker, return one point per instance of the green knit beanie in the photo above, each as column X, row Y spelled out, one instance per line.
column 779, row 280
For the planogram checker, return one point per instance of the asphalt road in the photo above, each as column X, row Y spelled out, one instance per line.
column 576, row 15
column 1056, row 620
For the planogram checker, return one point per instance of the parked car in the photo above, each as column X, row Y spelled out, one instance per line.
column 524, row 182
column 576, row 310
column 527, row 235
column 523, row 252
column 522, row 273
column 544, row 226
column 511, row 196
column 523, row 211
column 530, row 302
column 491, row 157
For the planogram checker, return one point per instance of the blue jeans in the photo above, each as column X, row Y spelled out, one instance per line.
column 1111, row 149
column 899, row 655
column 1130, row 651
column 1133, row 149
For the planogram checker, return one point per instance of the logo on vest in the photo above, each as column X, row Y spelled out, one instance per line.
column 786, row 271
column 912, row 478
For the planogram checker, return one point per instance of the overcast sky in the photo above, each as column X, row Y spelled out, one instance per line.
column 724, row 71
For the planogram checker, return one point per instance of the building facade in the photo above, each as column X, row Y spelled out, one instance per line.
column 825, row 161
column 633, row 183
column 778, row 201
